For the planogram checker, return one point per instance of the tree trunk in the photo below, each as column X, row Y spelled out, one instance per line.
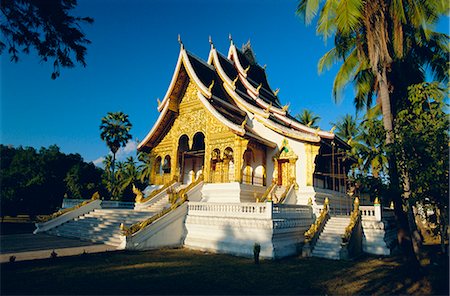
column 113, row 176
column 403, row 234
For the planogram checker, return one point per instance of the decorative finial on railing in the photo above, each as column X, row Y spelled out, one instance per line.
column 356, row 203
column 376, row 201
column 310, row 201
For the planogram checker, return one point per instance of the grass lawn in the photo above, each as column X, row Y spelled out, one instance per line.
column 181, row 271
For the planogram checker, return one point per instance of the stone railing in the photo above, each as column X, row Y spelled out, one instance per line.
column 176, row 201
column 267, row 194
column 51, row 221
column 312, row 234
column 157, row 191
column 351, row 244
column 286, row 211
column 232, row 210
column 82, row 202
column 289, row 189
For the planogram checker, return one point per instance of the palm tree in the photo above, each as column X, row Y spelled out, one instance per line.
column 308, row 118
column 347, row 128
column 130, row 173
column 145, row 168
column 115, row 131
column 379, row 41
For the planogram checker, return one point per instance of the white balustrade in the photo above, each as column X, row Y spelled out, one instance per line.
column 233, row 210
column 286, row 211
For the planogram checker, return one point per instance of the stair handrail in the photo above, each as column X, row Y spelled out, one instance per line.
column 286, row 191
column 267, row 193
column 176, row 201
column 314, row 230
column 354, row 219
column 154, row 192
column 46, row 218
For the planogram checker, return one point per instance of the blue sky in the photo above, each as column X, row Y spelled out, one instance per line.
column 131, row 61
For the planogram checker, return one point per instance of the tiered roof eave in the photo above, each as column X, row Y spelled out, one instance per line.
column 244, row 97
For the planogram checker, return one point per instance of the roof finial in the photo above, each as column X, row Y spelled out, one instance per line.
column 246, row 69
column 210, row 41
column 235, row 80
column 159, row 102
column 259, row 87
column 332, row 129
column 244, row 123
column 211, row 85
column 179, row 41
column 231, row 38
column 286, row 107
column 265, row 66
column 276, row 91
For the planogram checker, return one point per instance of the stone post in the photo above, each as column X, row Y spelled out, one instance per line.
column 269, row 210
column 377, row 207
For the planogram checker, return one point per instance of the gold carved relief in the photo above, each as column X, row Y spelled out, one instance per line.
column 311, row 152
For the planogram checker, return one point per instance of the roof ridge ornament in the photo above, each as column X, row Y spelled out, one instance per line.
column 332, row 129
column 276, row 91
column 246, row 69
column 244, row 122
column 265, row 66
column 286, row 107
column 235, row 80
column 211, row 42
column 230, row 38
column 259, row 87
column 181, row 42
column 159, row 102
column 211, row 86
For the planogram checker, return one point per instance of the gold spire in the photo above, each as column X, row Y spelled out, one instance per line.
column 210, row 41
column 211, row 85
column 179, row 41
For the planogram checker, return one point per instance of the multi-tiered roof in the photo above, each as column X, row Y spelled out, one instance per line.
column 233, row 88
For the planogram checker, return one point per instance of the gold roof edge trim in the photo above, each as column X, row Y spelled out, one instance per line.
column 284, row 131
column 153, row 130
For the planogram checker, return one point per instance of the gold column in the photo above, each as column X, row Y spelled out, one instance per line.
column 311, row 152
column 207, row 163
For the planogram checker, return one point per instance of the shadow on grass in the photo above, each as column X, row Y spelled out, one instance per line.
column 181, row 271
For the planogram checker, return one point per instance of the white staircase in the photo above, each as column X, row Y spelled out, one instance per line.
column 103, row 225
column 329, row 243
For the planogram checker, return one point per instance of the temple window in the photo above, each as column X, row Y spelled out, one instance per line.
column 158, row 170
column 166, row 165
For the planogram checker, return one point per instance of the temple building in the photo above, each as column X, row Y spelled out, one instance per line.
column 221, row 118
column 233, row 172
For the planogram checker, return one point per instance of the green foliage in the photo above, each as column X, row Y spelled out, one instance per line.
column 46, row 27
column 308, row 118
column 422, row 143
column 115, row 131
column 34, row 182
